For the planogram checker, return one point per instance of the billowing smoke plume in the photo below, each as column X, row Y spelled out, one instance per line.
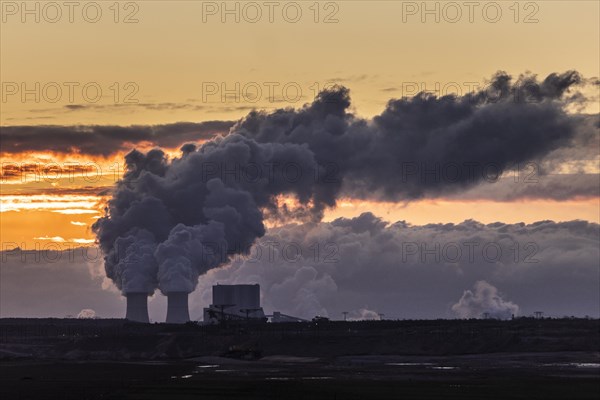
column 134, row 268
column 170, row 221
column 363, row 314
column 484, row 300
column 427, row 145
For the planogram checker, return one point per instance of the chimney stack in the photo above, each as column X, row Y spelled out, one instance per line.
column 177, row 308
column 137, row 307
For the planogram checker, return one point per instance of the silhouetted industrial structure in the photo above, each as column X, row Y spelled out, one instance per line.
column 137, row 307
column 177, row 308
column 279, row 317
column 234, row 302
column 538, row 314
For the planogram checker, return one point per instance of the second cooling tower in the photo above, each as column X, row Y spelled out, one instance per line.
column 177, row 308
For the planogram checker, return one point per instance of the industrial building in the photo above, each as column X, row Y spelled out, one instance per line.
column 234, row 302
column 279, row 317
column 229, row 302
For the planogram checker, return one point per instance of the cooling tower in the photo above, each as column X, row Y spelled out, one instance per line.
column 177, row 308
column 137, row 307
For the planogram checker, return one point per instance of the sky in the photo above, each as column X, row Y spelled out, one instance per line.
column 82, row 87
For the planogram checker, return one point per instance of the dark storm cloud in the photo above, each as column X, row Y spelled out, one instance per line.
column 104, row 140
column 170, row 208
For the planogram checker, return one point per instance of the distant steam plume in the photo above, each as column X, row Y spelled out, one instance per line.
column 86, row 313
column 484, row 299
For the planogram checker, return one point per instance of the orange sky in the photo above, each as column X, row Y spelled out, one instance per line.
column 167, row 60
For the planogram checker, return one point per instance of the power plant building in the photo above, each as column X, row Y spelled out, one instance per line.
column 234, row 302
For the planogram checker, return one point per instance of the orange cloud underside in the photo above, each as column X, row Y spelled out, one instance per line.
column 445, row 211
column 60, row 208
column 30, row 228
column 65, row 225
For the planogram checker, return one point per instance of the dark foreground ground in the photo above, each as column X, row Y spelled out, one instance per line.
column 111, row 359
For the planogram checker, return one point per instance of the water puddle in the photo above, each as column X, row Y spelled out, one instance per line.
column 409, row 364
column 181, row 377
column 576, row 365
column 317, row 377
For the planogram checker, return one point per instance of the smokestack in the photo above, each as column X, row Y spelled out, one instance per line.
column 137, row 307
column 177, row 308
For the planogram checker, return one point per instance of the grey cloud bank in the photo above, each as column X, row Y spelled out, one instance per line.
column 407, row 271
column 373, row 268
